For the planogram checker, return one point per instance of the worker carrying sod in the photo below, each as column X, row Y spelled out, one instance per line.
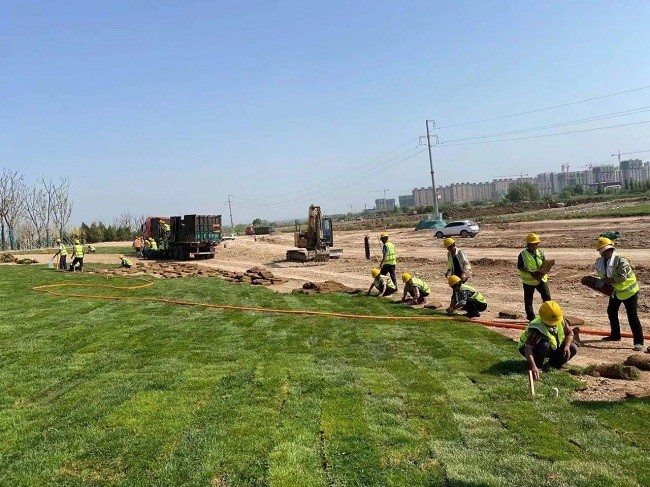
column 383, row 283
column 415, row 290
column 465, row 297
column 531, row 265
column 457, row 261
column 547, row 336
column 616, row 270
column 62, row 252
column 388, row 259
column 124, row 262
column 78, row 256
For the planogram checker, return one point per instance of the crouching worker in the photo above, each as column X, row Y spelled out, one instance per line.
column 466, row 298
column 383, row 283
column 91, row 249
column 124, row 262
column 547, row 336
column 415, row 290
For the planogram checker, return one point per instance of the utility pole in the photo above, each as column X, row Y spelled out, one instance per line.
column 232, row 227
column 433, row 181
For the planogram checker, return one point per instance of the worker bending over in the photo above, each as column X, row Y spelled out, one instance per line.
column 124, row 262
column 62, row 253
column 548, row 335
column 78, row 256
column 616, row 270
column 457, row 261
column 384, row 284
column 529, row 263
column 466, row 298
column 416, row 289
column 388, row 259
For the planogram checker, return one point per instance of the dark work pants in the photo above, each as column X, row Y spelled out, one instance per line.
column 63, row 259
column 529, row 292
column 75, row 261
column 389, row 269
column 632, row 317
column 474, row 307
column 543, row 350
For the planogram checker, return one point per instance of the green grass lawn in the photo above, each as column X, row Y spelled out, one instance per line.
column 137, row 393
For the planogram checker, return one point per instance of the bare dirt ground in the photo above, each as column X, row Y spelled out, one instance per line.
column 493, row 254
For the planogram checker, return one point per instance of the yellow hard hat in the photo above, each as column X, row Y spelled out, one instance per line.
column 448, row 242
column 406, row 277
column 551, row 313
column 375, row 272
column 120, row 256
column 58, row 240
column 603, row 244
column 532, row 238
column 76, row 240
column 453, row 280
column 383, row 235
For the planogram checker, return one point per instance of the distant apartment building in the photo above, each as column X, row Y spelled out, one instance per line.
column 385, row 204
column 406, row 201
column 634, row 170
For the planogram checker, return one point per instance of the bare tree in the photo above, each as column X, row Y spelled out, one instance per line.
column 36, row 209
column 62, row 205
column 12, row 201
column 50, row 189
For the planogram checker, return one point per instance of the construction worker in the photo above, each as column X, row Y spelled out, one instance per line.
column 91, row 249
column 388, row 259
column 416, row 288
column 384, row 284
column 457, row 261
column 465, row 297
column 617, row 271
column 62, row 253
column 529, row 262
column 137, row 246
column 548, row 335
column 78, row 256
column 124, row 262
column 153, row 244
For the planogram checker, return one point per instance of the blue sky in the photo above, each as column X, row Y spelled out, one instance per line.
column 169, row 107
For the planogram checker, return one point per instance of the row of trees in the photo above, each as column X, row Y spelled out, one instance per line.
column 122, row 228
column 30, row 214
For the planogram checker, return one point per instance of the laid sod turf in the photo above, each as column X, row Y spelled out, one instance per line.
column 135, row 393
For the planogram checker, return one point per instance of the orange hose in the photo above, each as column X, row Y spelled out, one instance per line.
column 506, row 324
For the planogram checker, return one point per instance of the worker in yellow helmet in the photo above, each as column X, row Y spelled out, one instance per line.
column 548, row 335
column 457, row 261
column 617, row 271
column 153, row 244
column 124, row 262
column 465, row 297
column 62, row 252
column 78, row 256
column 415, row 289
column 383, row 283
column 529, row 263
column 388, row 259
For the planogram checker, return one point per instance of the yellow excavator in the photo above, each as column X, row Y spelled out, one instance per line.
column 314, row 244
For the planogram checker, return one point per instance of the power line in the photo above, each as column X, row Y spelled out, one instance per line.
column 546, row 135
column 633, row 111
column 546, row 108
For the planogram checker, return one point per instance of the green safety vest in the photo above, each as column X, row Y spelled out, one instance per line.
column 629, row 287
column 389, row 257
column 532, row 262
column 78, row 250
column 389, row 282
column 127, row 261
column 154, row 245
column 538, row 324
column 62, row 250
column 419, row 283
column 475, row 294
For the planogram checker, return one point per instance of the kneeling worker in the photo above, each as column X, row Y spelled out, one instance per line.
column 124, row 262
column 383, row 283
column 547, row 336
column 466, row 298
column 416, row 288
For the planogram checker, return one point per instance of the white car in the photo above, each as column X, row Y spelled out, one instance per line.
column 464, row 228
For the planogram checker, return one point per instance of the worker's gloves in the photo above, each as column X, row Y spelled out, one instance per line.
column 599, row 284
column 463, row 303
